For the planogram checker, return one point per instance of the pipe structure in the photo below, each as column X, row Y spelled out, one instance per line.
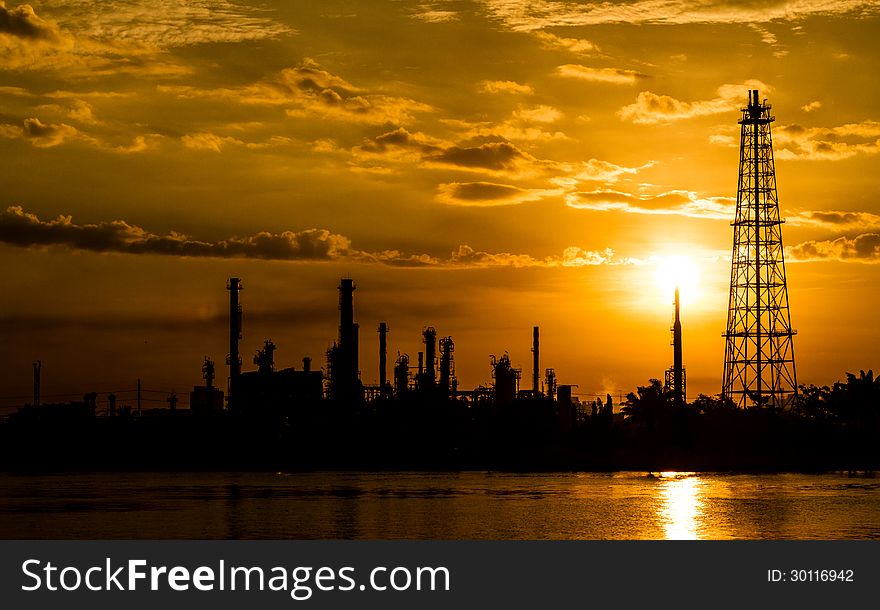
column 234, row 358
column 383, row 354
column 345, row 367
column 430, row 338
column 535, row 361
column 37, row 366
column 447, row 346
column 677, row 367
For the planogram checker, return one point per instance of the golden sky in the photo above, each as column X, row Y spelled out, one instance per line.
column 480, row 167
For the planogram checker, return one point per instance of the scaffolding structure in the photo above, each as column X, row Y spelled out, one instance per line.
column 759, row 367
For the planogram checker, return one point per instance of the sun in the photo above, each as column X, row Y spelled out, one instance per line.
column 677, row 271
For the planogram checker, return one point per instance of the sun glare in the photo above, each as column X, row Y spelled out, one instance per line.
column 677, row 270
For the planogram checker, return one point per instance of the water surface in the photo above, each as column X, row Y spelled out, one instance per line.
column 470, row 505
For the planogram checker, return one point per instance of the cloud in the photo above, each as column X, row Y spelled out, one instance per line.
column 827, row 143
column 614, row 76
column 501, row 157
column 815, row 105
column 573, row 45
column 22, row 22
column 540, row 14
column 722, row 139
column 27, row 40
column 605, row 171
column 505, row 86
column 651, row 108
column 20, row 228
column 168, row 24
column 864, row 248
column 216, row 143
column 488, row 194
column 30, row 42
column 468, row 257
column 835, row 220
column 26, row 230
column 538, row 114
column 41, row 135
column 525, row 124
column 308, row 90
column 573, row 256
column 678, row 203
column 578, row 257
column 48, row 135
column 769, row 38
column 431, row 13
column 397, row 139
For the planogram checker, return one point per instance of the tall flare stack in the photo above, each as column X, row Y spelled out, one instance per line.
column 759, row 368
column 233, row 359
column 678, row 396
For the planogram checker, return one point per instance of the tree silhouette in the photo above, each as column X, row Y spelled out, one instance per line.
column 858, row 399
column 648, row 403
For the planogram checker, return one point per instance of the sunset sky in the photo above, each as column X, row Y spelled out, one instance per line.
column 480, row 167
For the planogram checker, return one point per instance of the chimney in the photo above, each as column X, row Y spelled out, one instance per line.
column 535, row 361
column 383, row 332
column 234, row 359
column 37, row 366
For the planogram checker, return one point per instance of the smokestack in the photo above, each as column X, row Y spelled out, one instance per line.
column 677, row 367
column 421, row 363
column 430, row 337
column 383, row 332
column 37, row 366
column 535, row 360
column 347, row 338
column 234, row 359
column 307, row 364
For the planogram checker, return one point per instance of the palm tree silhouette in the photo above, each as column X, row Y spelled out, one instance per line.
column 648, row 403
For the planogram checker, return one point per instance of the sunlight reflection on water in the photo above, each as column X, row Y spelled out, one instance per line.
column 682, row 506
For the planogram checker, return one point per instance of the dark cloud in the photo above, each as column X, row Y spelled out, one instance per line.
column 308, row 90
column 22, row 22
column 864, row 248
column 837, row 220
column 20, row 228
column 23, row 229
column 496, row 156
column 398, row 138
column 836, row 217
column 827, row 143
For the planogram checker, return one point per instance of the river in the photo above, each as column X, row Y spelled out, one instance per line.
column 455, row 506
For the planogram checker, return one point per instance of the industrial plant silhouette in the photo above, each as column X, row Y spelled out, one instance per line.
column 419, row 417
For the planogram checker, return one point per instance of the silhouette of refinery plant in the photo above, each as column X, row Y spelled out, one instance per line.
column 419, row 417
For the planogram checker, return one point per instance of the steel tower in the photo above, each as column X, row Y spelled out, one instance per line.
column 759, row 359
